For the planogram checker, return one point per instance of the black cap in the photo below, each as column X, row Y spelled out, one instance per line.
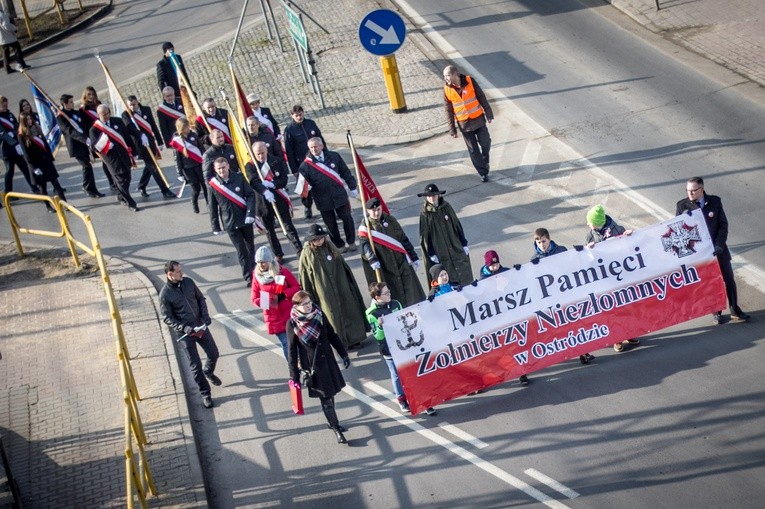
column 372, row 202
column 431, row 190
column 315, row 231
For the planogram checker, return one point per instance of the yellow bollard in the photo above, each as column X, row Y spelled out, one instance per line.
column 393, row 84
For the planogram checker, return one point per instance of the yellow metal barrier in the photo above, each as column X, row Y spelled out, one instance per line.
column 133, row 425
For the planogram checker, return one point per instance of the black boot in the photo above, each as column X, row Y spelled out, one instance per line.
column 328, row 407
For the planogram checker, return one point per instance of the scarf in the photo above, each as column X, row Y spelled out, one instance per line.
column 267, row 277
column 307, row 326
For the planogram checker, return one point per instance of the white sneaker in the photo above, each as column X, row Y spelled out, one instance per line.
column 430, row 411
column 404, row 406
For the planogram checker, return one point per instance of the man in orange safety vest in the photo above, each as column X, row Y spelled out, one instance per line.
column 467, row 108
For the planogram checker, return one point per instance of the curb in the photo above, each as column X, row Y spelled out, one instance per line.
column 98, row 14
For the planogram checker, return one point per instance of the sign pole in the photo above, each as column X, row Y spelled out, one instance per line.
column 393, row 84
column 382, row 32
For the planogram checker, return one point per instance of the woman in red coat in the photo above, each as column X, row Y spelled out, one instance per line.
column 273, row 286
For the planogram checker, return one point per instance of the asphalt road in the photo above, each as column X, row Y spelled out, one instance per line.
column 675, row 422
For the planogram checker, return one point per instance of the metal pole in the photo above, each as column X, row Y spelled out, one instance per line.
column 276, row 27
column 238, row 29
column 315, row 76
column 265, row 17
column 293, row 4
column 299, row 54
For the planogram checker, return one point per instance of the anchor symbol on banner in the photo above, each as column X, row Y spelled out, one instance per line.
column 407, row 329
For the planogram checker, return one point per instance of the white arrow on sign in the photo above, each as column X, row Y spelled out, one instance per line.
column 389, row 36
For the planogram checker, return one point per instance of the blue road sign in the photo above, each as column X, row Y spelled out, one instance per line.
column 382, row 32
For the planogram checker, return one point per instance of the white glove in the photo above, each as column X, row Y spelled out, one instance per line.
column 466, row 250
column 217, row 232
column 375, row 265
column 268, row 184
column 37, row 171
column 18, row 150
column 434, row 259
column 269, row 196
column 249, row 220
column 88, row 142
column 201, row 327
column 181, row 179
column 144, row 140
column 415, row 265
column 279, row 138
column 354, row 193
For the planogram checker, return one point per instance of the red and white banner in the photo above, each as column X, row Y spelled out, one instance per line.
column 567, row 305
column 370, row 190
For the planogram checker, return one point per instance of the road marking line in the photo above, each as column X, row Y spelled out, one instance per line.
column 449, row 445
column 230, row 323
column 552, row 483
column 463, row 435
column 529, row 161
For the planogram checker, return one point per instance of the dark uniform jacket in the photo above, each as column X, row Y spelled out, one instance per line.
column 167, row 123
column 136, row 131
column 296, row 138
column 223, row 210
column 327, row 379
column 183, row 163
column 441, row 234
column 40, row 158
column 222, row 116
column 182, row 304
column 264, row 135
column 717, row 222
column 117, row 158
column 267, row 114
column 76, row 141
column 327, row 193
column 8, row 136
column 211, row 154
column 166, row 76
column 278, row 171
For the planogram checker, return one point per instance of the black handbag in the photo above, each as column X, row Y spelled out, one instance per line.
column 306, row 376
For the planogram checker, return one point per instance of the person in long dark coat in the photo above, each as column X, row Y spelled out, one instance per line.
column 325, row 275
column 39, row 157
column 442, row 238
column 393, row 255
column 310, row 339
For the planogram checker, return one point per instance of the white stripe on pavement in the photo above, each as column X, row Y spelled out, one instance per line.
column 228, row 321
column 463, row 435
column 560, row 488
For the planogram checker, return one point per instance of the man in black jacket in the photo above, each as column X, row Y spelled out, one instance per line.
column 78, row 143
column 10, row 150
column 147, row 138
column 168, row 113
column 218, row 148
column 184, row 309
column 268, row 177
column 166, row 75
column 296, row 136
column 112, row 141
column 717, row 223
column 233, row 203
column 327, row 174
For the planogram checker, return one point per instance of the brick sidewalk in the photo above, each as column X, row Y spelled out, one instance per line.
column 351, row 79
column 730, row 32
column 62, row 415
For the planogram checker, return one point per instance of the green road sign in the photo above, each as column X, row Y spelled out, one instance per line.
column 297, row 31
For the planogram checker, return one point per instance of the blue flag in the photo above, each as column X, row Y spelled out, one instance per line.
column 47, row 113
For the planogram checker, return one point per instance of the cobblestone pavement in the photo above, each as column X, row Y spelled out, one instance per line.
column 61, row 409
column 351, row 79
column 731, row 33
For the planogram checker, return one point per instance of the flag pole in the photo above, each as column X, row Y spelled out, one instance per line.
column 130, row 114
column 238, row 126
column 238, row 29
column 378, row 272
column 189, row 91
column 47, row 98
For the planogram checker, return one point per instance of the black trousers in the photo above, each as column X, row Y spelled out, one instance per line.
column 121, row 180
column 730, row 285
column 88, row 178
column 16, row 46
column 207, row 343
column 328, row 407
column 272, row 226
column 478, row 144
column 244, row 242
column 330, row 221
column 10, row 168
column 150, row 170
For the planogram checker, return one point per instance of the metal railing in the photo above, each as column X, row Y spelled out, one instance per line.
column 137, row 473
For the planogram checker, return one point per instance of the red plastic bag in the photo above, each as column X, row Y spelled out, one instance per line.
column 297, row 398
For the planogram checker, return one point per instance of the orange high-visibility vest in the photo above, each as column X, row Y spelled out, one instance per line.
column 467, row 106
